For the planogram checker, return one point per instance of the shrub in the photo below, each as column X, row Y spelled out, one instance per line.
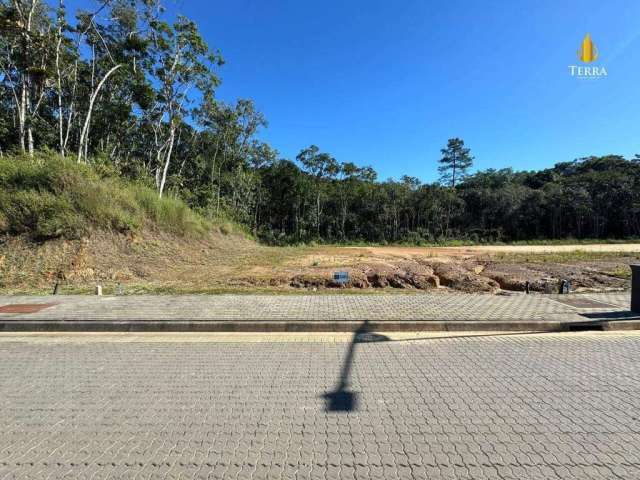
column 226, row 228
column 40, row 214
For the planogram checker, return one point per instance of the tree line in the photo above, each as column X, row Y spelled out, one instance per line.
column 124, row 87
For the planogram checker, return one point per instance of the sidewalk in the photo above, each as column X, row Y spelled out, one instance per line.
column 320, row 313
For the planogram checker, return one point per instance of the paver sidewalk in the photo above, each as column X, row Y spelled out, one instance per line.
column 318, row 309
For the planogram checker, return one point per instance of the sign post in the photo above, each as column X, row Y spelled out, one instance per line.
column 635, row 288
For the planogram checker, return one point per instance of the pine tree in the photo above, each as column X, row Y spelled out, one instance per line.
column 455, row 162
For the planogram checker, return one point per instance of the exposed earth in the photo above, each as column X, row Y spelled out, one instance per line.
column 161, row 263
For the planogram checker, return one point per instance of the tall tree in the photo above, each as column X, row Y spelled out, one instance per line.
column 454, row 165
column 321, row 166
column 26, row 56
column 182, row 64
column 455, row 162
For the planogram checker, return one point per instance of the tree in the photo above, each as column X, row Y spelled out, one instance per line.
column 135, row 94
column 348, row 176
column 455, row 162
column 321, row 166
column 182, row 62
column 26, row 56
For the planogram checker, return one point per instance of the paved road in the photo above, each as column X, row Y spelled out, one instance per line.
column 544, row 406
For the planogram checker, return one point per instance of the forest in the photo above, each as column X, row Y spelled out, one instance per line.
column 126, row 88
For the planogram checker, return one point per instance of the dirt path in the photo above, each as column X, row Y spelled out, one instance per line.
column 480, row 249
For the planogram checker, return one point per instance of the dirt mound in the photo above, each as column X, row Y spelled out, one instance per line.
column 547, row 277
column 460, row 277
column 402, row 275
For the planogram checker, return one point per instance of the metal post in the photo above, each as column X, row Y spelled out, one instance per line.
column 635, row 288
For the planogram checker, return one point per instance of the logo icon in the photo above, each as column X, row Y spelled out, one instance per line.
column 588, row 52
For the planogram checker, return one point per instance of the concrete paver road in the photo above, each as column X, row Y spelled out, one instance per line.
column 545, row 406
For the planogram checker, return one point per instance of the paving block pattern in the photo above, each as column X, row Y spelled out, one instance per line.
column 436, row 307
column 544, row 406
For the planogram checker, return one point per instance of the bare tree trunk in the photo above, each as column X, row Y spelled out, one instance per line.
column 219, row 183
column 318, row 214
column 84, row 135
column 71, row 107
column 30, row 140
column 59, row 86
column 172, row 136
column 22, row 112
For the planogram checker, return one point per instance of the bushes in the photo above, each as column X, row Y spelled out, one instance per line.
column 169, row 213
column 42, row 215
column 48, row 197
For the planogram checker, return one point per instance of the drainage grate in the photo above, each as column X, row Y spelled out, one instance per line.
column 580, row 302
column 584, row 327
column 25, row 307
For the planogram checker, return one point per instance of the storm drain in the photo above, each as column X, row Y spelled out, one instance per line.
column 584, row 327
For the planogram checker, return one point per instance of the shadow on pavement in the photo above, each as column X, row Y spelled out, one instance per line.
column 341, row 399
column 614, row 315
column 474, row 335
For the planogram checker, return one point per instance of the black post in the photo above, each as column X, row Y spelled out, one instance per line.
column 635, row 288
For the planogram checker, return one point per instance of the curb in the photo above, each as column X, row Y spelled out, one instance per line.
column 309, row 326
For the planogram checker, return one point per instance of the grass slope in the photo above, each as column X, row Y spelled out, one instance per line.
column 79, row 224
column 49, row 197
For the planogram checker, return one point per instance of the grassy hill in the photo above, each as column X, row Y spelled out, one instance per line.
column 49, row 197
column 80, row 225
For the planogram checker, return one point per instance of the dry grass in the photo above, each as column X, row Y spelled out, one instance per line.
column 151, row 261
column 564, row 257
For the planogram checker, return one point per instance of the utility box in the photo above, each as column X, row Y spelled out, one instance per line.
column 635, row 288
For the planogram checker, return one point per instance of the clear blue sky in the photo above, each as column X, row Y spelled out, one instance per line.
column 386, row 83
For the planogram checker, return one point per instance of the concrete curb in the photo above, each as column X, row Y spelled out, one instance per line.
column 40, row 325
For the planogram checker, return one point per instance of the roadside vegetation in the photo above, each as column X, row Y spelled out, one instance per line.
column 46, row 197
column 125, row 88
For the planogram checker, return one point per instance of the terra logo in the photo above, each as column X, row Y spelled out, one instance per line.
column 587, row 53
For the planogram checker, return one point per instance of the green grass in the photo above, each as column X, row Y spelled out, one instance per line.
column 49, row 197
column 621, row 272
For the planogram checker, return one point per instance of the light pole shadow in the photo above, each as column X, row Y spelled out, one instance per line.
column 342, row 399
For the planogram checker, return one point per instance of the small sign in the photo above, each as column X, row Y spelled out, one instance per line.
column 341, row 277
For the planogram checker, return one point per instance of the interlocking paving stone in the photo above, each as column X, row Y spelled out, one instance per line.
column 437, row 307
column 544, row 406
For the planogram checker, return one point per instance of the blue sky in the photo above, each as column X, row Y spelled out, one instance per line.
column 386, row 83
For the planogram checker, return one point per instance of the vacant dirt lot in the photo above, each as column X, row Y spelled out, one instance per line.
column 480, row 249
column 594, row 267
column 163, row 264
